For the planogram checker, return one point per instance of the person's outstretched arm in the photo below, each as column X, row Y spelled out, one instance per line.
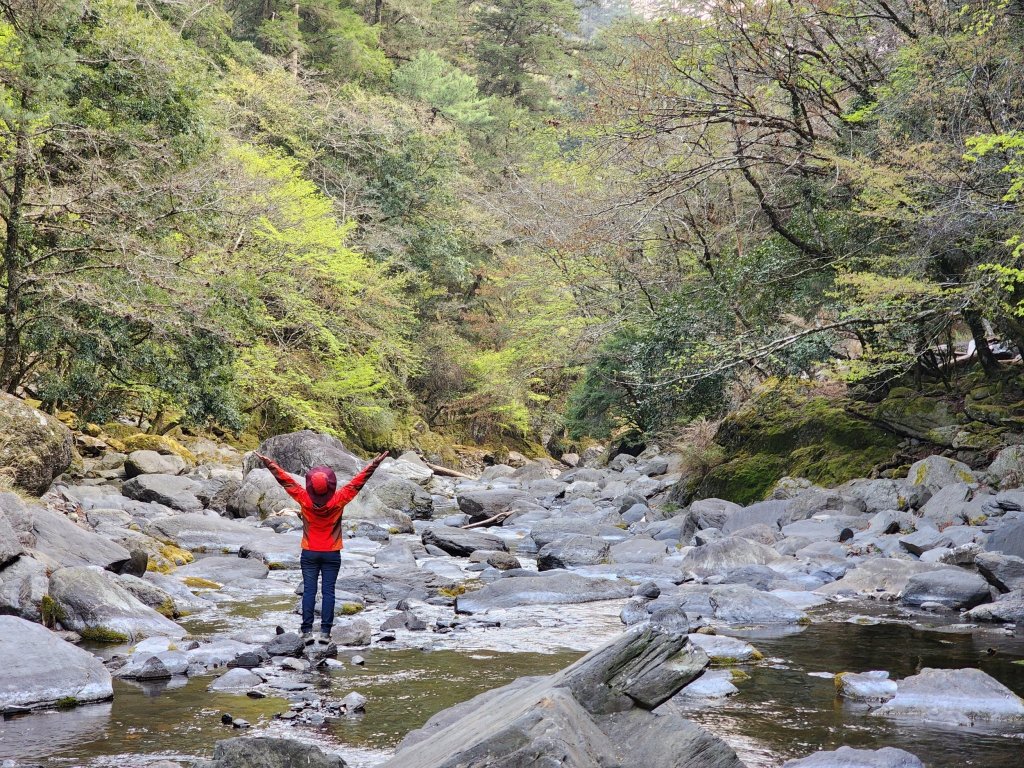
column 289, row 483
column 347, row 493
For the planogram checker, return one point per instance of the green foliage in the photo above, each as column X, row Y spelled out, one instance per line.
column 450, row 92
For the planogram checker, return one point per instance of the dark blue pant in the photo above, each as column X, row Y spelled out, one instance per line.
column 313, row 565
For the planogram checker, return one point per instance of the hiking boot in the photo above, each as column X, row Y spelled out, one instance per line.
column 307, row 638
column 324, row 637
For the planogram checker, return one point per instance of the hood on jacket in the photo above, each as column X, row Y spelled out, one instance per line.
column 321, row 483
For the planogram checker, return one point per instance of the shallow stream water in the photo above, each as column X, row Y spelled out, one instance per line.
column 786, row 708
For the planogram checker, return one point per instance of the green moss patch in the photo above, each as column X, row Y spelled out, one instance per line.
column 103, row 635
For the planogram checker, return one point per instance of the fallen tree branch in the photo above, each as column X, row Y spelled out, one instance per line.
column 437, row 469
column 495, row 520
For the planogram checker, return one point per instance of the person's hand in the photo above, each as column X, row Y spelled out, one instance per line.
column 261, row 457
column 377, row 461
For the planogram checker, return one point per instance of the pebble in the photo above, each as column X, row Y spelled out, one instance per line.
column 358, row 661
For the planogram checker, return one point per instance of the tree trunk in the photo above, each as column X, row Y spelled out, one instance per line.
column 985, row 356
column 295, row 47
column 11, row 360
column 378, row 11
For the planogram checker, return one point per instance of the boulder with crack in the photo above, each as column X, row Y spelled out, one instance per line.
column 597, row 713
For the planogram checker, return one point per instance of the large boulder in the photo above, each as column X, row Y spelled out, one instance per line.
column 1004, row 572
column 883, row 495
column 299, row 452
column 552, row 588
column 954, row 504
column 719, row 557
column 593, row 714
column 10, row 541
column 36, row 447
column 58, row 542
column 23, row 584
column 877, row 577
column 740, row 604
column 486, row 503
column 1007, row 468
column 936, row 472
column 952, row 588
column 462, row 543
column 268, row 752
column 92, row 601
column 260, row 495
column 572, row 549
column 957, row 696
column 847, row 757
column 153, row 463
column 41, row 669
column 1008, row 538
column 181, row 493
column 1008, row 608
column 390, row 501
column 712, row 513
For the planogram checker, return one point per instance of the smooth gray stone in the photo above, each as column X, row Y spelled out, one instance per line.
column 181, row 493
column 48, row 668
column 1004, row 572
column 572, row 549
column 1008, row 539
column 737, row 604
column 91, row 598
column 1008, row 608
column 953, row 588
column 957, row 696
column 719, row 557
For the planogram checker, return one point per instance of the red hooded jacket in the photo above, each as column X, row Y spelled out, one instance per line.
column 321, row 522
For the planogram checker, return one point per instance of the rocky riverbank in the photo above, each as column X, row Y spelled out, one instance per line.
column 177, row 566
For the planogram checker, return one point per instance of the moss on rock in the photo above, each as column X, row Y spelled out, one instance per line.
column 793, row 428
column 160, row 444
column 34, row 446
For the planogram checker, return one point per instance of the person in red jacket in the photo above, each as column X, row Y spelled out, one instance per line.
column 321, row 504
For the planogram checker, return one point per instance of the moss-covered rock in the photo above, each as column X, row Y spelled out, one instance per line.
column 159, row 443
column 34, row 446
column 794, row 428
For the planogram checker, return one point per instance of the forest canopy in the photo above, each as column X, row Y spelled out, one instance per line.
column 528, row 221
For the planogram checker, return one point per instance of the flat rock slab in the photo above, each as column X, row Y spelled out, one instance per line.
column 558, row 587
column 737, row 604
column 52, row 670
column 957, row 696
column 847, row 757
column 224, row 569
column 59, row 543
column 211, row 532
